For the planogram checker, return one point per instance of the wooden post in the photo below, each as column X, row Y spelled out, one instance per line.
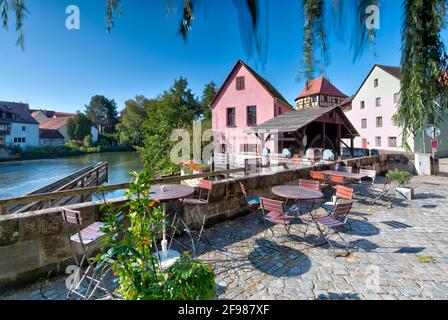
column 352, row 146
column 339, row 140
column 4, row 211
column 324, row 134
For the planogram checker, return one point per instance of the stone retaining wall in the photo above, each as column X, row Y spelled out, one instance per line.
column 33, row 244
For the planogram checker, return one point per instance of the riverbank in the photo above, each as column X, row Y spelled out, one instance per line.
column 54, row 152
column 18, row 178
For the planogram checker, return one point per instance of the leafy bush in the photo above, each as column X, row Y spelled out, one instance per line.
column 400, row 177
column 131, row 237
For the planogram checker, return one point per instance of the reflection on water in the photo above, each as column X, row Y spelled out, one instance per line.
column 18, row 178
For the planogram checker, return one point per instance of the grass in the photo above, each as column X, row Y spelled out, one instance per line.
column 426, row 259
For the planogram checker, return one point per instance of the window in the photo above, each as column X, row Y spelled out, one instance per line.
column 392, row 142
column 252, row 116
column 378, row 102
column 19, row 140
column 396, row 97
column 223, row 148
column 378, row 141
column 23, row 128
column 363, row 104
column 231, row 117
column 379, row 122
column 240, row 83
column 279, row 113
column 364, row 123
column 375, row 83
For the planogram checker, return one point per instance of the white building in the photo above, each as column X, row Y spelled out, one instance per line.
column 371, row 110
column 17, row 127
column 56, row 121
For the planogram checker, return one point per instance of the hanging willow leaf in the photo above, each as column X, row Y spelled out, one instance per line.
column 20, row 10
column 112, row 6
column 187, row 18
column 424, row 65
column 4, row 13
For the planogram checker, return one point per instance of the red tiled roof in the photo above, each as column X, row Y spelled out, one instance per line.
column 320, row 86
column 50, row 134
column 55, row 123
column 63, row 114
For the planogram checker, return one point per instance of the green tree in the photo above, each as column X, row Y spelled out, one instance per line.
column 176, row 108
column 208, row 94
column 78, row 127
column 130, row 128
column 102, row 112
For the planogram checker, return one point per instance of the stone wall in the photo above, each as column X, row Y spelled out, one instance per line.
column 34, row 243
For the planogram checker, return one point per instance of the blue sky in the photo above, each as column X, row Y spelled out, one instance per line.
column 63, row 69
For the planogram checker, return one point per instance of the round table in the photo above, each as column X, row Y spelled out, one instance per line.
column 297, row 193
column 166, row 193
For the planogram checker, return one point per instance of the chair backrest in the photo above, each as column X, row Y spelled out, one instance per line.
column 206, row 187
column 72, row 217
column 272, row 206
column 243, row 189
column 309, row 184
column 344, row 193
column 316, row 175
column 342, row 209
column 368, row 173
column 337, row 180
column 345, row 169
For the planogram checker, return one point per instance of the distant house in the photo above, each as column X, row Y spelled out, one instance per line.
column 17, row 126
column 244, row 101
column 371, row 110
column 56, row 121
column 319, row 93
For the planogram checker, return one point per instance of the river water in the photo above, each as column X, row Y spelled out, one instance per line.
column 18, row 178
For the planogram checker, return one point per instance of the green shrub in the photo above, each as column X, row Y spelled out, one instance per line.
column 130, row 241
column 400, row 177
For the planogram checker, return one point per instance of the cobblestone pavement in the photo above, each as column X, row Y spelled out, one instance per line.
column 398, row 253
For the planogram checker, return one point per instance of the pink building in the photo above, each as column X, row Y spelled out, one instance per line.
column 244, row 101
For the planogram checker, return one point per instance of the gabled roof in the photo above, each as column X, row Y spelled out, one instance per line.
column 50, row 134
column 394, row 71
column 296, row 120
column 21, row 110
column 55, row 123
column 51, row 113
column 320, row 86
column 266, row 84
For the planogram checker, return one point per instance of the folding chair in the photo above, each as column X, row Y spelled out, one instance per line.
column 205, row 190
column 381, row 191
column 342, row 193
column 250, row 201
column 331, row 225
column 321, row 177
column 310, row 184
column 274, row 213
column 369, row 174
column 86, row 238
column 337, row 180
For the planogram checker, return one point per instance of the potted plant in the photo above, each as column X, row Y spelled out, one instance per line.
column 401, row 179
column 130, row 244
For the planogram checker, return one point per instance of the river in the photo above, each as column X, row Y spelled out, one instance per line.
column 18, row 178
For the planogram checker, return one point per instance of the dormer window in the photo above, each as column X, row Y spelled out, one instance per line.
column 240, row 83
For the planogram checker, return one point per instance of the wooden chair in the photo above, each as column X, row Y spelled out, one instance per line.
column 337, row 180
column 345, row 169
column 85, row 238
column 343, row 194
column 206, row 188
column 370, row 174
column 275, row 214
column 331, row 224
column 250, row 201
column 321, row 177
column 310, row 184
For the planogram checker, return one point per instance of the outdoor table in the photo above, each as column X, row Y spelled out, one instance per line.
column 165, row 194
column 298, row 194
column 346, row 175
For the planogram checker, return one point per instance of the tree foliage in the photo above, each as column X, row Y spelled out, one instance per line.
column 102, row 113
column 210, row 91
column 130, row 128
column 424, row 67
column 79, row 127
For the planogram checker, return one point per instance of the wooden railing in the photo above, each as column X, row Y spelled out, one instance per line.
column 54, row 196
